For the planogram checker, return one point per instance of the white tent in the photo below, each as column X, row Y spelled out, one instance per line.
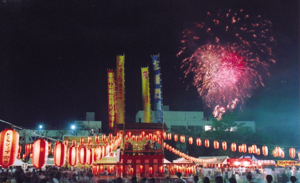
column 217, row 159
column 19, row 162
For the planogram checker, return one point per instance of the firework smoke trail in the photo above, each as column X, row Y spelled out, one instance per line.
column 228, row 53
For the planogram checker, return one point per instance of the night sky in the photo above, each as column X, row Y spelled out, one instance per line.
column 54, row 56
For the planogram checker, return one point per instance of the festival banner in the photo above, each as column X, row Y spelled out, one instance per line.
column 120, row 90
column 146, row 95
column 111, row 90
column 284, row 163
column 157, row 91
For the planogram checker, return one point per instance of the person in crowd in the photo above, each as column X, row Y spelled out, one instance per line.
column 219, row 179
column 269, row 178
column 206, row 180
column 232, row 180
column 152, row 180
column 249, row 178
column 119, row 180
column 134, row 180
column 144, row 180
column 293, row 179
column 196, row 179
column 167, row 180
column 179, row 178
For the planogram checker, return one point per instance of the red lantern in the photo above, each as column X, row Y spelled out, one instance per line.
column 82, row 141
column 150, row 170
column 89, row 156
column 101, row 168
column 233, row 147
column 198, row 142
column 82, row 155
column 282, row 154
column 165, row 135
column 143, row 134
column 49, row 148
column 133, row 138
column 172, row 170
column 150, row 136
column 126, row 137
column 59, row 154
column 240, row 148
column 39, row 153
column 258, row 151
column 121, row 168
column 141, row 168
column 110, row 137
column 147, row 137
column 155, row 138
column 206, row 142
column 103, row 137
column 131, row 171
column 182, row 138
column 292, row 152
column 244, row 148
column 140, row 137
column 250, row 150
column 169, row 136
column 129, row 134
column 73, row 154
column 216, row 144
column 161, row 169
column 175, row 137
column 254, row 148
column 9, row 142
column 191, row 140
column 66, row 142
column 110, row 169
column 97, row 153
column 95, row 170
column 265, row 150
column 97, row 139
column 224, row 145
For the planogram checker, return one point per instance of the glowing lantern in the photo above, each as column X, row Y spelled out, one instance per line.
column 292, row 152
column 275, row 154
column 250, row 150
column 155, row 138
column 73, row 154
column 233, row 147
column 66, row 142
column 121, row 168
column 198, row 142
column 95, row 170
column 150, row 170
column 169, row 136
column 101, row 168
column 131, row 171
column 82, row 155
column 39, row 153
column 282, row 154
column 129, row 134
column 103, row 137
column 161, row 169
column 258, row 151
column 110, row 169
column 254, row 148
column 110, row 137
column 191, row 140
column 143, row 134
column 97, row 139
column 240, row 148
column 126, row 137
column 97, row 152
column 175, row 137
column 82, row 141
column 172, row 170
column 224, row 145
column 89, row 156
column 165, row 135
column 140, row 137
column 9, row 142
column 265, row 150
column 244, row 148
column 59, row 154
column 49, row 148
column 141, row 168
column 147, row 137
column 216, row 144
column 133, row 138
column 206, row 143
column 182, row 138
column 150, row 136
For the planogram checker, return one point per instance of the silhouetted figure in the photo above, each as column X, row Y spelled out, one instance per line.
column 134, row 180
column 196, row 178
column 144, row 180
column 249, row 178
column 179, row 178
column 219, row 179
column 232, row 180
column 152, row 180
column 119, row 180
column 269, row 178
column 293, row 179
column 206, row 180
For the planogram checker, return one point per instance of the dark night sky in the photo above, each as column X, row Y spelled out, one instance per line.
column 54, row 56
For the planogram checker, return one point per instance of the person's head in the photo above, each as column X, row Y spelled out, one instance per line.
column 269, row 178
column 178, row 174
column 134, row 179
column 219, row 179
column 196, row 178
column 249, row 177
column 144, row 180
column 232, row 180
column 152, row 180
column 293, row 179
column 206, row 180
column 119, row 180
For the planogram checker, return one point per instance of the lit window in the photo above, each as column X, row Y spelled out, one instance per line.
column 207, row 127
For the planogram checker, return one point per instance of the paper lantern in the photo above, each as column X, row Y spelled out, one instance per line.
column 131, row 171
column 147, row 137
column 175, row 137
column 133, row 138
column 191, row 140
column 216, row 144
column 164, row 135
column 143, row 133
column 82, row 141
column 141, row 168
column 250, row 150
column 161, row 169
column 292, row 152
column 150, row 136
column 95, row 169
column 182, row 138
column 233, row 147
column 110, row 137
column 39, row 153
column 224, row 145
column 150, row 170
column 49, row 148
column 169, row 136
column 155, row 138
column 172, row 171
column 140, row 137
column 73, row 154
column 244, row 148
column 282, row 154
column 265, row 150
column 89, row 156
column 97, row 152
column 206, row 143
column 258, row 151
column 254, row 148
column 129, row 134
column 121, row 168
column 9, row 143
column 103, row 137
column 82, row 155
column 59, row 154
column 89, row 140
column 66, row 142
column 97, row 139
column 198, row 142
column 110, row 169
column 101, row 168
column 126, row 137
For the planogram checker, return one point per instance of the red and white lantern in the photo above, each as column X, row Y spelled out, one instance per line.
column 73, row 154
column 224, row 145
column 9, row 143
column 39, row 153
column 206, row 143
column 292, row 152
column 198, row 142
column 59, row 154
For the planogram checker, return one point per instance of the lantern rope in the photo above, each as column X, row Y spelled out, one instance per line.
column 27, row 131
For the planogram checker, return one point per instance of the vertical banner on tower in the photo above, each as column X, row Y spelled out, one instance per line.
column 157, row 89
column 120, row 90
column 146, row 94
column 111, row 91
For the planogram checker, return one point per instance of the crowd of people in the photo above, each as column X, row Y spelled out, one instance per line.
column 204, row 175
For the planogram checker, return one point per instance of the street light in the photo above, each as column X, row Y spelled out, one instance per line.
column 73, row 127
column 40, row 127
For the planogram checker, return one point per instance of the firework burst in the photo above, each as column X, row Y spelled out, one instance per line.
column 228, row 52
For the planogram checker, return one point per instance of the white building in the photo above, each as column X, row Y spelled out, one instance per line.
column 193, row 120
